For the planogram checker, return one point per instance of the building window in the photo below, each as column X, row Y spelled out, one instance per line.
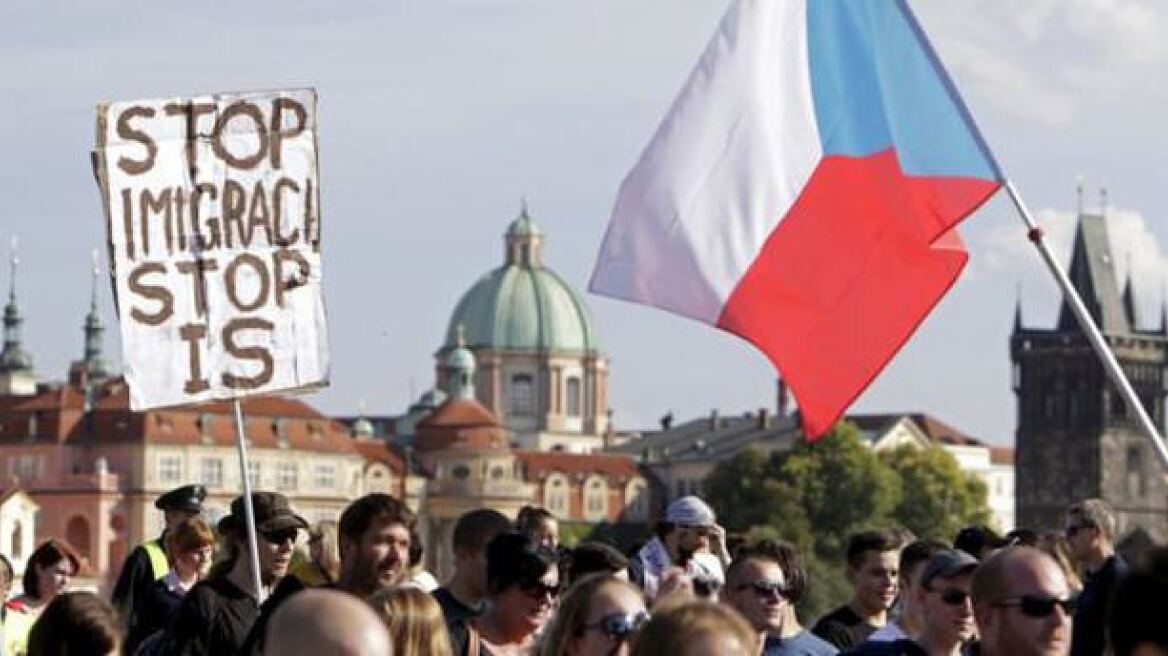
column 556, row 495
column 637, row 501
column 573, row 393
column 17, row 546
column 1136, row 484
column 324, row 476
column 170, row 469
column 522, row 394
column 211, row 472
column 26, row 467
column 595, row 499
column 286, row 475
column 253, row 473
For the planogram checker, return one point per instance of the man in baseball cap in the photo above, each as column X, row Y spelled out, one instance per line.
column 944, row 607
column 147, row 562
column 688, row 539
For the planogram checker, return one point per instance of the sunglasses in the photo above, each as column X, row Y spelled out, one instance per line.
column 767, row 589
column 1039, row 607
column 539, row 589
column 704, row 531
column 952, row 596
column 1073, row 530
column 280, row 536
column 619, row 626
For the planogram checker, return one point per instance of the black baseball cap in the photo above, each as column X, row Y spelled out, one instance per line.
column 272, row 513
column 947, row 564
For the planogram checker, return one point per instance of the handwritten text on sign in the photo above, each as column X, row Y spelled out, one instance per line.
column 212, row 207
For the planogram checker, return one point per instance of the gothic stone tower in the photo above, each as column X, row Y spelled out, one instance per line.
column 1075, row 437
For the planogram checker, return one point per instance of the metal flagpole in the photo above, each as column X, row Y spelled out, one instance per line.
column 1110, row 365
column 249, row 511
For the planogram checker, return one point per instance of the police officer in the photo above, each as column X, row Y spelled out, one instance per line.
column 147, row 562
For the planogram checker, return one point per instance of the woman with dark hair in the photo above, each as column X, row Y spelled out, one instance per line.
column 596, row 617
column 523, row 582
column 76, row 623
column 47, row 574
column 189, row 546
column 539, row 525
column 217, row 614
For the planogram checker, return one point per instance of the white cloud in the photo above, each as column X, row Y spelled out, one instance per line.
column 1006, row 251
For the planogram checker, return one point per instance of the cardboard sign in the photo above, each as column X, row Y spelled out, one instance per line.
column 213, row 215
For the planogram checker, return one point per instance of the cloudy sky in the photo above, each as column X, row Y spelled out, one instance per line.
column 438, row 117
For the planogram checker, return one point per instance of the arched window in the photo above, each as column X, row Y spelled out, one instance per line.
column 522, row 394
column 595, row 499
column 637, row 500
column 17, row 546
column 555, row 495
column 572, row 391
column 77, row 534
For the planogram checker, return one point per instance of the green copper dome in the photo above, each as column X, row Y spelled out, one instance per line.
column 522, row 305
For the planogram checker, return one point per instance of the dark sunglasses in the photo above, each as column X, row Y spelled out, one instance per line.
column 280, row 536
column 619, row 626
column 1073, row 530
column 1038, row 607
column 704, row 531
column 539, row 589
column 952, row 596
column 767, row 589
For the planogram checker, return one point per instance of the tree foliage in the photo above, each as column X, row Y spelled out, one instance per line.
column 817, row 494
column 842, row 486
column 939, row 499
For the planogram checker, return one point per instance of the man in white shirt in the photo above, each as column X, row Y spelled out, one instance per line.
column 689, row 539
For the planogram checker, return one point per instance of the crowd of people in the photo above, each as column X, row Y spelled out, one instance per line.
column 361, row 588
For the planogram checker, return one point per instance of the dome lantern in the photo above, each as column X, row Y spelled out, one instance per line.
column 524, row 241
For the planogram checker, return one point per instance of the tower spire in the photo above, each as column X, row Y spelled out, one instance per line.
column 1018, row 308
column 1129, row 298
column 1163, row 331
column 93, row 360
column 1103, row 202
column 1079, row 195
column 15, row 363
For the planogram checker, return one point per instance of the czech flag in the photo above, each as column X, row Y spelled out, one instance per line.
column 803, row 193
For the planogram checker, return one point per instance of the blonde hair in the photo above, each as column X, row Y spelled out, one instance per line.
column 415, row 621
column 1055, row 546
column 325, row 532
column 672, row 631
column 568, row 622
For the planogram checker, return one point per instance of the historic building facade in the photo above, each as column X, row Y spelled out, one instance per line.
column 540, row 367
column 469, row 460
column 1076, row 438
column 94, row 467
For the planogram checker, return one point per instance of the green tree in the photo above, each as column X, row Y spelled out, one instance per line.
column 737, row 490
column 842, row 486
column 938, row 497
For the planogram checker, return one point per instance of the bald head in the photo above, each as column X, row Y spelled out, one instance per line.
column 1020, row 602
column 326, row 622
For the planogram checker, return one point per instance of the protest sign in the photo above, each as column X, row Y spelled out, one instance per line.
column 213, row 216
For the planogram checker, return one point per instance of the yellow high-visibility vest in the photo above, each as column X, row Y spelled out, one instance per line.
column 158, row 562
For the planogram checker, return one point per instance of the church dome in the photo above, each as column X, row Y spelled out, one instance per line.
column 523, row 305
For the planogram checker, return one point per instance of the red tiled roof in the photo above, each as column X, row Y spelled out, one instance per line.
column 539, row 464
column 939, row 431
column 377, row 450
column 300, row 426
column 1002, row 455
column 461, row 424
column 461, row 413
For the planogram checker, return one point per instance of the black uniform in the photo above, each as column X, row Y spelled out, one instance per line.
column 136, row 578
